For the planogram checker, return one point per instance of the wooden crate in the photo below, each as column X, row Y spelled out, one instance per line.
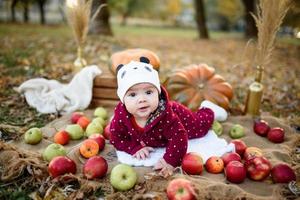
column 105, row 91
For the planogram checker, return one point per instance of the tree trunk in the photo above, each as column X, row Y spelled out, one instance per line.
column 250, row 29
column 41, row 4
column 13, row 10
column 200, row 19
column 26, row 11
column 101, row 23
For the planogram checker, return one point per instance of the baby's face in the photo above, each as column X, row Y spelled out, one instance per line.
column 141, row 100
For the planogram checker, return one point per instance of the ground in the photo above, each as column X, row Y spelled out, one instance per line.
column 30, row 51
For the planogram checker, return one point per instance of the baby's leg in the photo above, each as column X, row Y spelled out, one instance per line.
column 204, row 120
column 220, row 113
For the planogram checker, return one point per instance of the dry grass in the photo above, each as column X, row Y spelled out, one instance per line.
column 269, row 17
column 78, row 13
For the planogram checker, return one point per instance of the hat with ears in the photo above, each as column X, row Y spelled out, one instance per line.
column 136, row 72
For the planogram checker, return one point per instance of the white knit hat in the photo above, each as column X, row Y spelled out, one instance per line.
column 134, row 73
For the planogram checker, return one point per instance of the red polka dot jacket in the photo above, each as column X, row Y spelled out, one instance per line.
column 170, row 126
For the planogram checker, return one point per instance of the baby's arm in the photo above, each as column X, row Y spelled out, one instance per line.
column 121, row 139
column 177, row 141
column 175, row 150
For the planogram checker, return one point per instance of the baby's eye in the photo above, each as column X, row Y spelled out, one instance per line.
column 149, row 92
column 132, row 94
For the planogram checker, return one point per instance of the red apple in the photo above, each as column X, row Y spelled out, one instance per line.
column 235, row 172
column 99, row 139
column 214, row 165
column 261, row 127
column 228, row 157
column 83, row 122
column 61, row 165
column 258, row 168
column 75, row 116
column 276, row 135
column 62, row 137
column 240, row 146
column 192, row 163
column 95, row 167
column 107, row 132
column 180, row 188
column 252, row 152
column 282, row 173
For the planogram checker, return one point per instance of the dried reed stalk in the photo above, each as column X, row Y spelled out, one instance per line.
column 270, row 14
column 78, row 14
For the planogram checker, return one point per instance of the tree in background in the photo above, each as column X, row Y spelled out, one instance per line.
column 13, row 10
column 100, row 24
column 250, row 27
column 200, row 19
column 25, row 4
column 41, row 4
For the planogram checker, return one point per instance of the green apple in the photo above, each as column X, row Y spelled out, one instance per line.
column 217, row 128
column 101, row 112
column 237, row 131
column 53, row 150
column 75, row 131
column 93, row 128
column 99, row 120
column 123, row 177
column 33, row 136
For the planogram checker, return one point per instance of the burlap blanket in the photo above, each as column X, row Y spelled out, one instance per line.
column 208, row 186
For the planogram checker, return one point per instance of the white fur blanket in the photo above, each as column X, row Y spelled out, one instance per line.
column 50, row 96
column 207, row 146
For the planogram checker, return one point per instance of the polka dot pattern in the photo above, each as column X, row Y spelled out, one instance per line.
column 171, row 129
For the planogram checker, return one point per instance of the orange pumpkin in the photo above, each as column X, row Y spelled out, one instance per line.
column 124, row 57
column 195, row 83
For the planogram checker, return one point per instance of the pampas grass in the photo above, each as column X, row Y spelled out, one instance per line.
column 78, row 14
column 269, row 17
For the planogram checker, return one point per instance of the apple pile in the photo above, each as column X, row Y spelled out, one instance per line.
column 82, row 126
column 249, row 162
column 262, row 128
column 237, row 166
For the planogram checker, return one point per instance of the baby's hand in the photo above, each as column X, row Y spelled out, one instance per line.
column 143, row 153
column 165, row 168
